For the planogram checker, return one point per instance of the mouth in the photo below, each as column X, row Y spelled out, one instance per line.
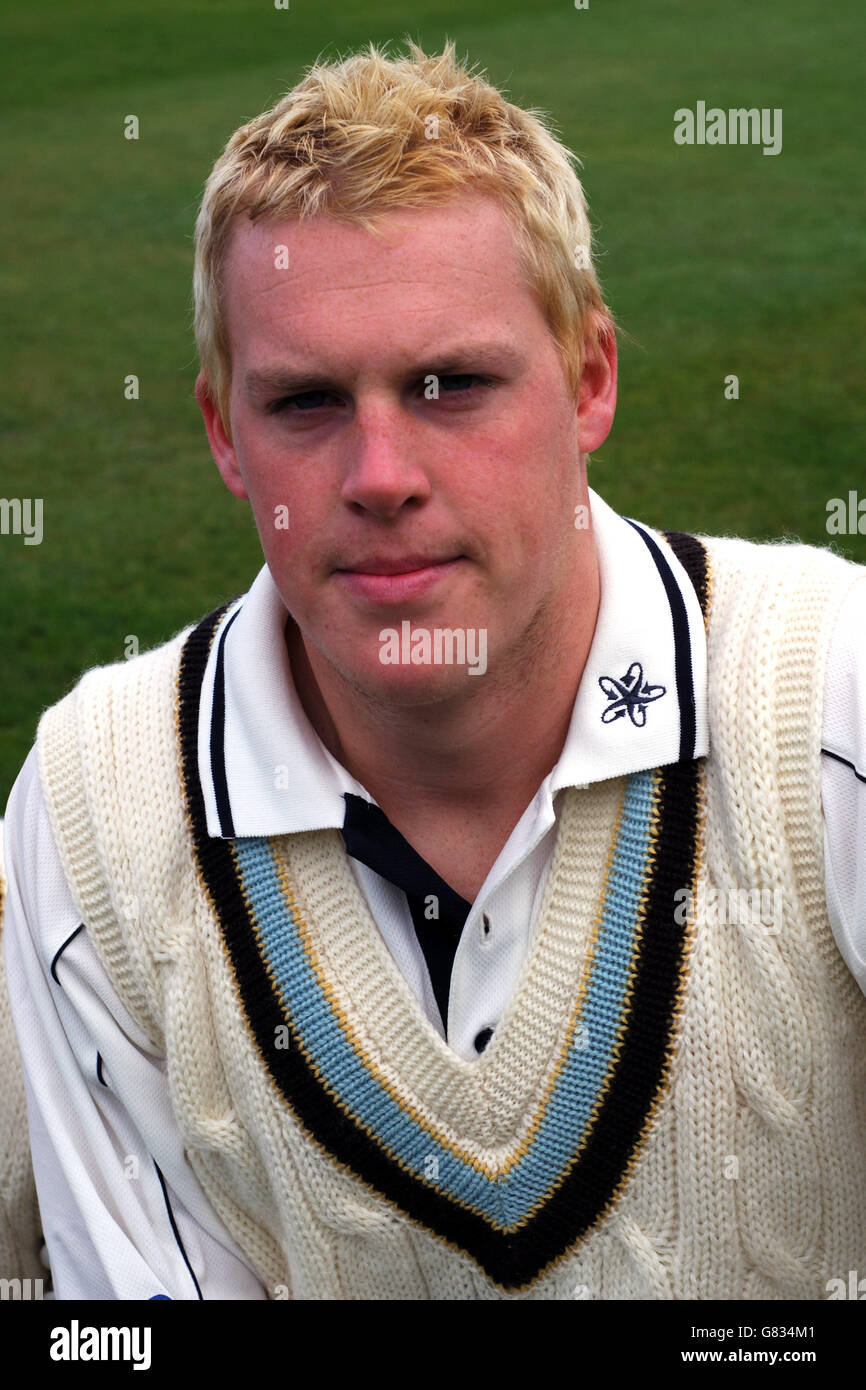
column 393, row 580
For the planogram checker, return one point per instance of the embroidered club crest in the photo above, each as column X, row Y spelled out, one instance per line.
column 630, row 696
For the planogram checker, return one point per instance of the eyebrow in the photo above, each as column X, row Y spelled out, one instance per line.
column 491, row 356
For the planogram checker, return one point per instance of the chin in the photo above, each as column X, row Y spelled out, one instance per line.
column 413, row 687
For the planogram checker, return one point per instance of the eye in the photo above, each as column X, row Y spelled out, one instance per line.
column 305, row 400
column 458, row 384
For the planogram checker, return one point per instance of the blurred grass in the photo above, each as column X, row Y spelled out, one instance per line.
column 716, row 260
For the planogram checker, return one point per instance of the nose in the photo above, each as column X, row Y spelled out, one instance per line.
column 383, row 469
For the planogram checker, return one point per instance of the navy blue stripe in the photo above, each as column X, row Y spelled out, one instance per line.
column 682, row 646
column 217, row 737
column 175, row 1230
column 845, row 763
column 59, row 952
column 100, row 1078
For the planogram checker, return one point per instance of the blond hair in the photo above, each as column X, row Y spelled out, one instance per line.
column 359, row 137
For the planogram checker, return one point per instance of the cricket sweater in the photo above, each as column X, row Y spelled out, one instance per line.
column 668, row 1108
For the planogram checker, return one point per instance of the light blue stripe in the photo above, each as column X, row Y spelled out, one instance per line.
column 506, row 1200
column 588, row 1059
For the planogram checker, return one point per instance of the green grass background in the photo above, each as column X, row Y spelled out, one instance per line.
column 716, row 260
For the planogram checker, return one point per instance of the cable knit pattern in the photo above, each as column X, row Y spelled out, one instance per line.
column 734, row 1163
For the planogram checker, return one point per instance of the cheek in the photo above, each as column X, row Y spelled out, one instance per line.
column 525, row 494
column 290, row 537
column 282, row 496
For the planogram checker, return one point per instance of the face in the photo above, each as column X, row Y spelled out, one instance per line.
column 403, row 429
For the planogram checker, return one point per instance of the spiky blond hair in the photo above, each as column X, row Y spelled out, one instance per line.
column 370, row 133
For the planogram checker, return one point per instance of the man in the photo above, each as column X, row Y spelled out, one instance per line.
column 373, row 937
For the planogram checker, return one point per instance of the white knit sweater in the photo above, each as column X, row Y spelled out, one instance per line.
column 666, row 1110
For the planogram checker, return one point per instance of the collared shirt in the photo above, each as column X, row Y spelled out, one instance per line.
column 138, row 1225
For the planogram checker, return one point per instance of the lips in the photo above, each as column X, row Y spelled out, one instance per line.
column 383, row 580
column 404, row 564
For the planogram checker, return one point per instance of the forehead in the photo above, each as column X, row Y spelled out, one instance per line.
column 428, row 270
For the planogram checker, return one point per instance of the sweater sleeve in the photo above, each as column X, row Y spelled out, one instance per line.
column 123, row 1214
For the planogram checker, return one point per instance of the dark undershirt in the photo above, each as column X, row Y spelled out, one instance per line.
column 370, row 838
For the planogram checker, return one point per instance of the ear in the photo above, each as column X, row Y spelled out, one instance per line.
column 596, row 402
column 220, row 445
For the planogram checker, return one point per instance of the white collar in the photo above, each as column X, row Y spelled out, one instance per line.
column 264, row 770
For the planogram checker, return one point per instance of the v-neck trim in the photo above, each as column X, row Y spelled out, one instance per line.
column 373, row 996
